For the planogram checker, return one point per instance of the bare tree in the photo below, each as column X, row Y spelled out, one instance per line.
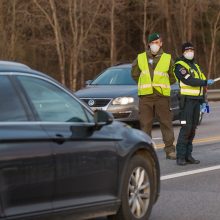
column 13, row 30
column 147, row 17
column 73, row 40
column 145, row 24
column 203, row 9
column 214, row 28
column 80, row 29
column 112, row 18
column 52, row 18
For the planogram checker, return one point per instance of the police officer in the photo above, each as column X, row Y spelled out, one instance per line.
column 191, row 81
column 152, row 70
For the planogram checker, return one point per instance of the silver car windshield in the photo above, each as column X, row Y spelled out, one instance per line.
column 115, row 76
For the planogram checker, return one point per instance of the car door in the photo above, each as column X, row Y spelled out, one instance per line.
column 86, row 158
column 86, row 165
column 26, row 164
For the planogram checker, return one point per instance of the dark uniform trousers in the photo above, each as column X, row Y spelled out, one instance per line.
column 149, row 106
column 189, row 115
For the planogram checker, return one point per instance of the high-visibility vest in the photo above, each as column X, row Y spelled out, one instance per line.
column 160, row 80
column 191, row 90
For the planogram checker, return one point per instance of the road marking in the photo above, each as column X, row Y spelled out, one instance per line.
column 191, row 172
column 157, row 138
column 196, row 141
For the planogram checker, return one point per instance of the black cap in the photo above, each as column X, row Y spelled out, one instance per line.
column 187, row 46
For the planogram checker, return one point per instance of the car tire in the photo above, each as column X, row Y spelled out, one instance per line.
column 137, row 191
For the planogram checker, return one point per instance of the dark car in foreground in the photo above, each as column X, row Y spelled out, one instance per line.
column 114, row 90
column 58, row 157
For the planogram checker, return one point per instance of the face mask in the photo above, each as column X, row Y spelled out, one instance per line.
column 189, row 55
column 154, row 48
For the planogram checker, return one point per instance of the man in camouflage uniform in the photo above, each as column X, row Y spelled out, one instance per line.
column 152, row 70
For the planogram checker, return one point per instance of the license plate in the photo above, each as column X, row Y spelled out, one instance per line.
column 96, row 108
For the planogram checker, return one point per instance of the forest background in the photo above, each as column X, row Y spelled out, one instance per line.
column 74, row 40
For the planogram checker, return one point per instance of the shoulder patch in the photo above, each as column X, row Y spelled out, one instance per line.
column 183, row 71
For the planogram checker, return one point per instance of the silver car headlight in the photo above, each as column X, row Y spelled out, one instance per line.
column 122, row 100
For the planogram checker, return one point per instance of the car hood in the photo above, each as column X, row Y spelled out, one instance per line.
column 107, row 91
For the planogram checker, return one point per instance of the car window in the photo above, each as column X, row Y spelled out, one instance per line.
column 53, row 103
column 115, row 76
column 9, row 102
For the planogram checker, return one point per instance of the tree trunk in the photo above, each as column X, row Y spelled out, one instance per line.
column 112, row 50
column 214, row 31
column 13, row 31
column 145, row 24
column 59, row 42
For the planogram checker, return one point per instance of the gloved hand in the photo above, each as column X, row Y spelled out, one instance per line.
column 203, row 107
column 207, row 107
column 210, row 82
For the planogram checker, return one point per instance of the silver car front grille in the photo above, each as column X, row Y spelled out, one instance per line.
column 96, row 102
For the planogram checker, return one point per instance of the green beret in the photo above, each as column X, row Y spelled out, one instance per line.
column 153, row 37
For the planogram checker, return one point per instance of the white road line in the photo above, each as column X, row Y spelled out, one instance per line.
column 191, row 172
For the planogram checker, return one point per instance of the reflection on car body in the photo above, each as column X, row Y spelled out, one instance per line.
column 60, row 157
column 115, row 91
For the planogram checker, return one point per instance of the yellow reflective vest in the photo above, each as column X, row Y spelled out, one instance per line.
column 191, row 90
column 160, row 80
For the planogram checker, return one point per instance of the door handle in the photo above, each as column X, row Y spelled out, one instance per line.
column 59, row 139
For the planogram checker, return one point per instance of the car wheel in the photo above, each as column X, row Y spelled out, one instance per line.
column 137, row 192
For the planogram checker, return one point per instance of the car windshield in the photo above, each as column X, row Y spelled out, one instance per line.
column 115, row 76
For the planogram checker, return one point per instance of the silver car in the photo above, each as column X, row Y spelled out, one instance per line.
column 115, row 90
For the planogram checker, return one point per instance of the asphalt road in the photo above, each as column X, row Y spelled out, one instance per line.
column 192, row 195
column 195, row 193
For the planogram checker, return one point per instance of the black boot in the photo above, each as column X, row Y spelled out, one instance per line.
column 180, row 161
column 192, row 160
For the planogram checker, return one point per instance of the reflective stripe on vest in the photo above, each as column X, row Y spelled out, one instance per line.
column 143, row 86
column 191, row 90
column 160, row 80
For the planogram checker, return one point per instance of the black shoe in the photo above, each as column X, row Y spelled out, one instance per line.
column 180, row 162
column 192, row 160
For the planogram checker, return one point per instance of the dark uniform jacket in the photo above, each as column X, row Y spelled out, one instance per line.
column 187, row 78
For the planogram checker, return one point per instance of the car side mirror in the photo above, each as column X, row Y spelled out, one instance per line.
column 88, row 82
column 103, row 118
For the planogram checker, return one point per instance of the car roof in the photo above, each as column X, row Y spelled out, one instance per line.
column 11, row 66
column 4, row 63
column 121, row 65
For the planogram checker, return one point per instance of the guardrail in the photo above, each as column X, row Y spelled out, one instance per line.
column 213, row 94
